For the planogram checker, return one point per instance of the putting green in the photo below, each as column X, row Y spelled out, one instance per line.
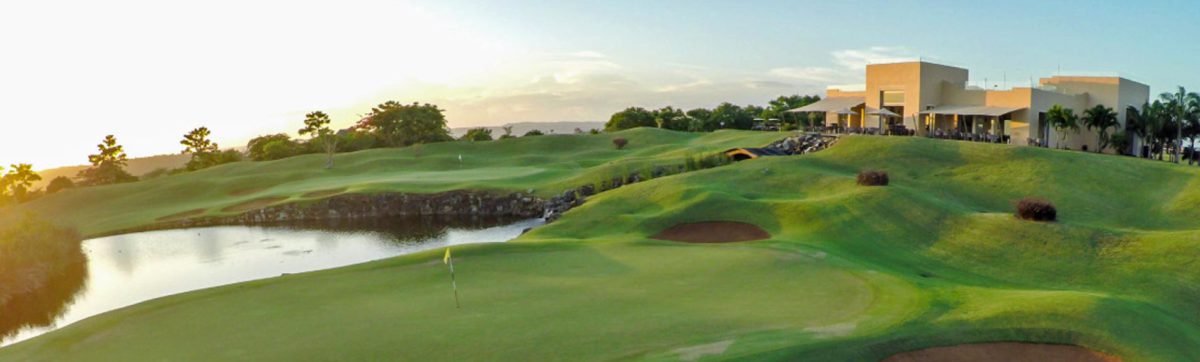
column 520, row 302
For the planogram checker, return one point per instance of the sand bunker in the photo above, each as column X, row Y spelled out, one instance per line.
column 1004, row 351
column 254, row 204
column 713, row 232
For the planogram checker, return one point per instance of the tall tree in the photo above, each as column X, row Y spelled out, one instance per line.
column 778, row 107
column 1101, row 118
column 399, row 125
column 1135, row 127
column 1179, row 104
column 728, row 115
column 197, row 142
column 671, row 118
column 18, row 180
column 698, row 120
column 1191, row 129
column 1157, row 116
column 316, row 126
column 631, row 117
column 108, row 165
column 1062, row 119
column 202, row 149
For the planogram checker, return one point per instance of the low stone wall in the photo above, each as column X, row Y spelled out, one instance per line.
column 365, row 206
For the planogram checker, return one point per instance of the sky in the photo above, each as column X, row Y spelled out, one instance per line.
column 147, row 72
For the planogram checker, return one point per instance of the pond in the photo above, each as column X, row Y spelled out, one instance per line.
column 127, row 269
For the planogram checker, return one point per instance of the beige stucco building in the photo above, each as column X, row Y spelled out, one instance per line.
column 926, row 98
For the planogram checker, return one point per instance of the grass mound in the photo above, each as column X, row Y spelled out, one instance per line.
column 713, row 232
column 1003, row 352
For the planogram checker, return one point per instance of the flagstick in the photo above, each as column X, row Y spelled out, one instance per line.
column 454, row 284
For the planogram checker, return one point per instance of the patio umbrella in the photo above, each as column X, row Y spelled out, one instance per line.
column 883, row 112
column 846, row 112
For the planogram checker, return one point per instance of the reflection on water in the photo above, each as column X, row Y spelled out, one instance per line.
column 42, row 307
column 127, row 269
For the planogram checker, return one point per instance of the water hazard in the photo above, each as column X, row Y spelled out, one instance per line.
column 126, row 269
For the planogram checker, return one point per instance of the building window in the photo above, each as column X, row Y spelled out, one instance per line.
column 893, row 98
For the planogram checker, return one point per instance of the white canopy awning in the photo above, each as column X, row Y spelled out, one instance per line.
column 883, row 112
column 830, row 105
column 973, row 110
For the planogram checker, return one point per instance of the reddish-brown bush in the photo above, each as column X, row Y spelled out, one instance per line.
column 620, row 142
column 873, row 178
column 1036, row 210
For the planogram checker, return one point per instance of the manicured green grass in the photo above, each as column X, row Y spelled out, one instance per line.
column 850, row 273
column 545, row 164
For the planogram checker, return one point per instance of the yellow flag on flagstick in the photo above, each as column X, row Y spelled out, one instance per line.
column 446, row 259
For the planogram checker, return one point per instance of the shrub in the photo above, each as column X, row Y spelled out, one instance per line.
column 477, row 134
column 620, row 142
column 350, row 141
column 533, row 133
column 58, row 184
column 873, row 178
column 1036, row 210
column 206, row 160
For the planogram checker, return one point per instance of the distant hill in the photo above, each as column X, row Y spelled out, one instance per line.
column 137, row 166
column 546, row 127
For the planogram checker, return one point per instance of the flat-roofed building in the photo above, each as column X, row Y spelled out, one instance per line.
column 932, row 99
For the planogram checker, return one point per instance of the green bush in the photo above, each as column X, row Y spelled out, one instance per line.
column 1036, row 210
column 58, row 184
column 271, row 147
column 873, row 178
column 477, row 134
column 620, row 142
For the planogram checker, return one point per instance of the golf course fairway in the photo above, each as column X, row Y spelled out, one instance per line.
column 847, row 273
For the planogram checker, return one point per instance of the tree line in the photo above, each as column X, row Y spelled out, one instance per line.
column 390, row 124
column 1164, row 124
column 723, row 116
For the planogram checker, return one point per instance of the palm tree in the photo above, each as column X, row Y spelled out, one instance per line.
column 1191, row 128
column 1135, row 127
column 1101, row 118
column 1062, row 119
column 1179, row 105
column 1152, row 125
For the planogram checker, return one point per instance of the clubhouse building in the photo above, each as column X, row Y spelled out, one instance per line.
column 934, row 100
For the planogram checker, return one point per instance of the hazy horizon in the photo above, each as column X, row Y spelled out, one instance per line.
column 148, row 72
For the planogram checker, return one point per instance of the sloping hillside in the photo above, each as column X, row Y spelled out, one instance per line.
column 846, row 272
column 545, row 164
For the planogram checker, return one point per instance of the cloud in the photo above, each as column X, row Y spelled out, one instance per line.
column 848, row 66
column 810, row 74
column 857, row 59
